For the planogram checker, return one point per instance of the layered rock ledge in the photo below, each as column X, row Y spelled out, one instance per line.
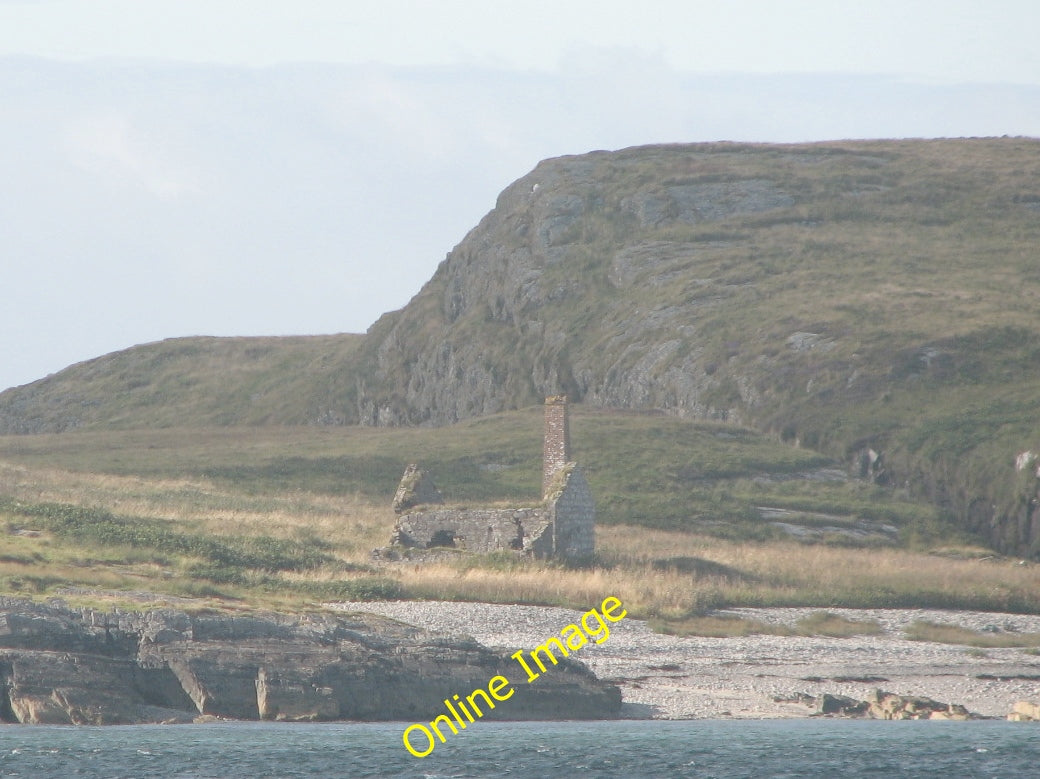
column 65, row 666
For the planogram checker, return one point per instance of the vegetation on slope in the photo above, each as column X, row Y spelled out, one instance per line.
column 198, row 381
column 843, row 297
column 287, row 517
column 647, row 470
column 846, row 297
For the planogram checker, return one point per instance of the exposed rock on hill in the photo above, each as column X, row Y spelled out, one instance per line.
column 850, row 297
column 722, row 281
column 59, row 666
column 867, row 299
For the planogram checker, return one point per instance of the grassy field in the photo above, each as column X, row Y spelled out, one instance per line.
column 645, row 469
column 287, row 518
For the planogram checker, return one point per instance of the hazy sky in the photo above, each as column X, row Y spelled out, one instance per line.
column 249, row 167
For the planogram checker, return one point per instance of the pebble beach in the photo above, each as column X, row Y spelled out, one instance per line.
column 670, row 677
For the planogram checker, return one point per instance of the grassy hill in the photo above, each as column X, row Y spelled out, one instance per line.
column 691, row 516
column 843, row 298
column 189, row 381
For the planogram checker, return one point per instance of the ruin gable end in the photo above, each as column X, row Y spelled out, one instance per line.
column 416, row 489
column 563, row 526
column 573, row 514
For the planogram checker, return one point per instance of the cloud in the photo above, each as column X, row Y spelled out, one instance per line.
column 107, row 145
column 145, row 200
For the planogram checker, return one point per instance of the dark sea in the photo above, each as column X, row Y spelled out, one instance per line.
column 542, row 750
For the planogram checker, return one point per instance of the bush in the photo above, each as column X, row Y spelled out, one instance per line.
column 367, row 588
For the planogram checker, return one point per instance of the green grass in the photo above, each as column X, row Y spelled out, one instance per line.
column 98, row 527
column 819, row 623
column 648, row 470
column 207, row 381
column 89, row 546
column 95, row 538
column 717, row 627
column 922, row 630
column 823, row 623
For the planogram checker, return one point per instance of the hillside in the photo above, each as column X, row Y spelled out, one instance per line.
column 849, row 298
column 645, row 469
column 197, row 381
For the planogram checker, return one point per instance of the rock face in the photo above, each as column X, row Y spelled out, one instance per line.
column 59, row 666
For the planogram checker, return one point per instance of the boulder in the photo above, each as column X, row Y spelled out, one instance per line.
column 887, row 705
column 840, row 704
column 879, row 705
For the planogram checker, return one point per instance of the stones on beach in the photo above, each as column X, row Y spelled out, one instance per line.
column 739, row 677
column 1024, row 711
column 881, row 705
column 887, row 705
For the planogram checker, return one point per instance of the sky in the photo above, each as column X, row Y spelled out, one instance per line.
column 268, row 167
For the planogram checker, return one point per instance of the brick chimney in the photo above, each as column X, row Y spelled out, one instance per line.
column 556, row 450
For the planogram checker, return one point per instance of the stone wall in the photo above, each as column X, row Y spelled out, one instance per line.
column 477, row 530
column 556, row 446
column 563, row 526
column 574, row 514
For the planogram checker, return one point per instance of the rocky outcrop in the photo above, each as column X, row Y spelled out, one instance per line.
column 61, row 666
column 880, row 705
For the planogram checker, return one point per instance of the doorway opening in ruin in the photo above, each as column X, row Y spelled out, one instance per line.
column 443, row 538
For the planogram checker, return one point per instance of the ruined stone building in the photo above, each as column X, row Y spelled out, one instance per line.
column 561, row 526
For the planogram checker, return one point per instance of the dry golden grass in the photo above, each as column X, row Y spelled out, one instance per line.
column 352, row 525
column 664, row 574
column 822, row 575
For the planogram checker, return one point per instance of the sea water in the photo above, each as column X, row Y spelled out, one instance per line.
column 531, row 750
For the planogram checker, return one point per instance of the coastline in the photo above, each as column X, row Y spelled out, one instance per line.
column 748, row 677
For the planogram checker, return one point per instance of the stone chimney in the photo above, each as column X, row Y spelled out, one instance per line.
column 556, row 450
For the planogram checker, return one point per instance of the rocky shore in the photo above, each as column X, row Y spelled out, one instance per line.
column 400, row 660
column 764, row 676
column 66, row 666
